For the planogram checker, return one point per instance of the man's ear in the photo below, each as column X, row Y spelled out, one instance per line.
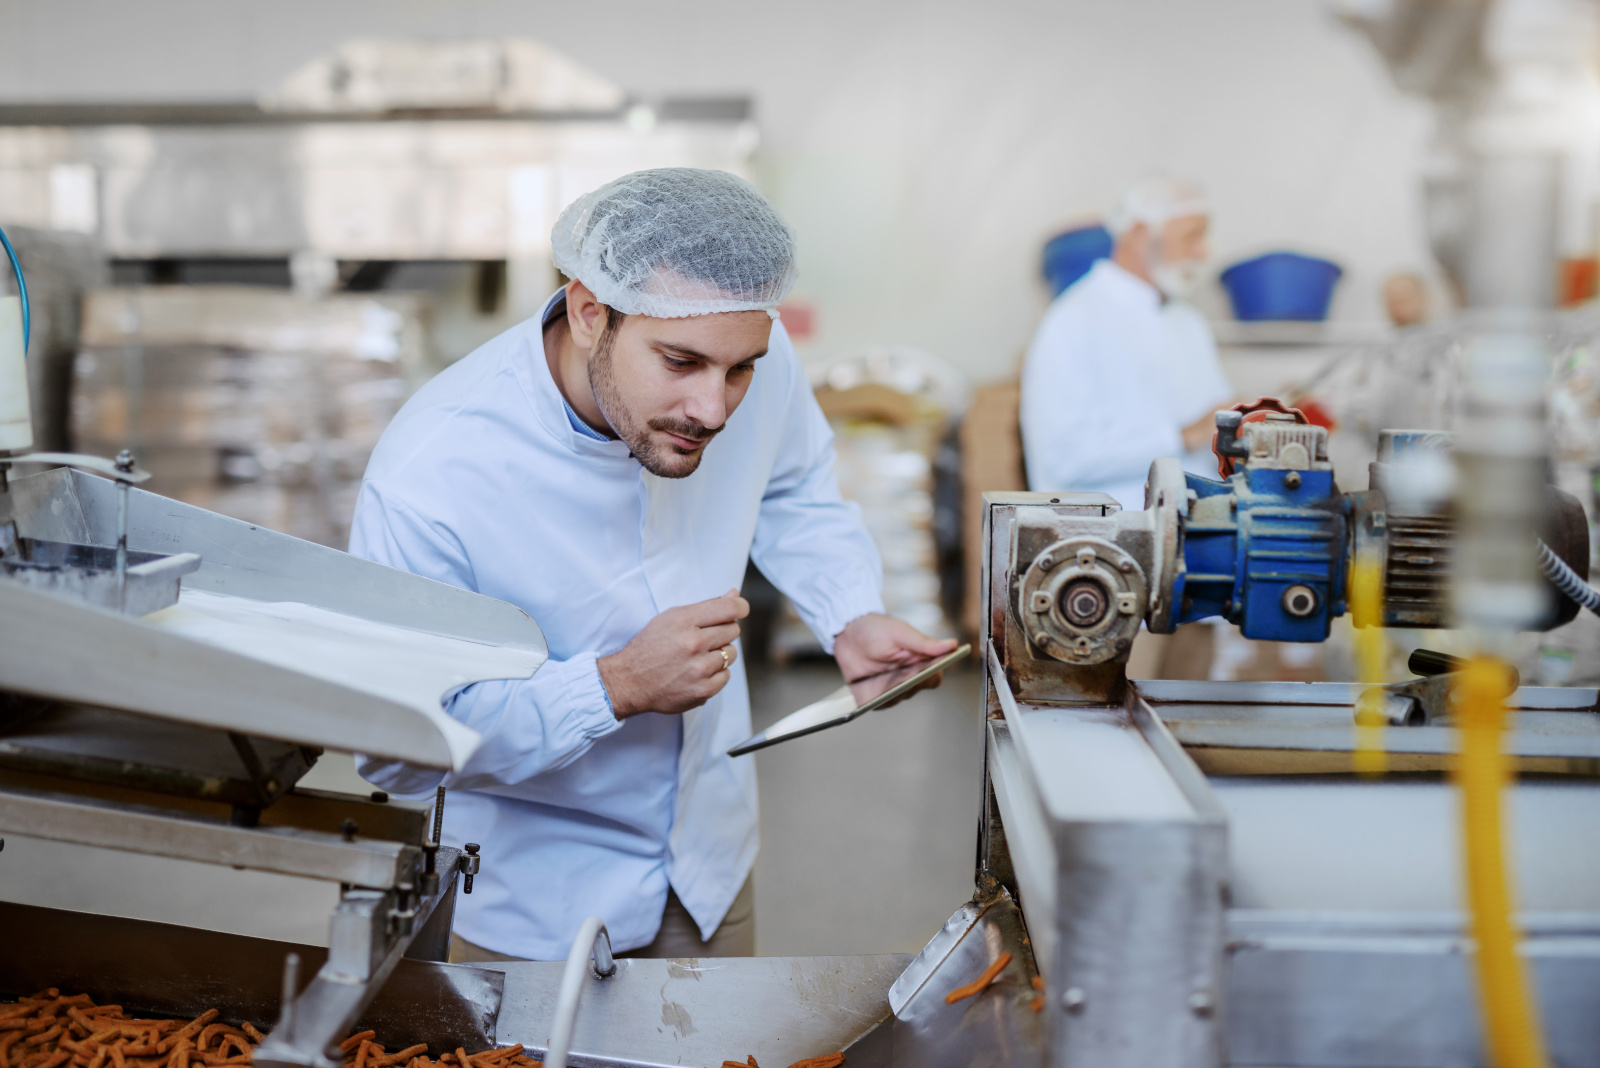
column 586, row 316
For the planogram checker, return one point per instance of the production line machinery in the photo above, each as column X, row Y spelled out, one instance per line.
column 1182, row 873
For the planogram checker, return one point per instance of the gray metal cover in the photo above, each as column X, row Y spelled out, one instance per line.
column 55, row 647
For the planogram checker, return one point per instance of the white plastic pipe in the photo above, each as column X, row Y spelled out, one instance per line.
column 593, row 940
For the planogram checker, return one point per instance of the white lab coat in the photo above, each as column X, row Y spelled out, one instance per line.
column 1111, row 379
column 482, row 481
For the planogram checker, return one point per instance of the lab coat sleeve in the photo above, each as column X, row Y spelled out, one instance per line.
column 1206, row 385
column 809, row 540
column 1086, row 420
column 527, row 725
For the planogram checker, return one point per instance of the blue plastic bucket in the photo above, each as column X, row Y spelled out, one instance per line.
column 1068, row 256
column 1281, row 285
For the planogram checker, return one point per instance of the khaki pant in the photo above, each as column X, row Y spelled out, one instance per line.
column 678, row 937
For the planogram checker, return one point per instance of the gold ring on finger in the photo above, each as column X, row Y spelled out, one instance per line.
column 727, row 657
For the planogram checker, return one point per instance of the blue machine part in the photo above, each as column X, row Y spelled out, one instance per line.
column 1254, row 544
column 1069, row 256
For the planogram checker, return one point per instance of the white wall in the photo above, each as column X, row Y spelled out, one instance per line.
column 922, row 150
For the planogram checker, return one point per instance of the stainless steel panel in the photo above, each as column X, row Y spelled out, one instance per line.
column 701, row 1011
column 54, row 647
column 377, row 189
column 166, row 970
column 1162, row 692
column 1394, row 990
column 1123, row 881
column 287, row 850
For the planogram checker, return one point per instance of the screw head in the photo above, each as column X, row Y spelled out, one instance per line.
column 1292, row 480
column 379, row 796
column 472, row 848
column 348, row 829
column 1201, row 1003
column 1046, row 562
column 1073, row 999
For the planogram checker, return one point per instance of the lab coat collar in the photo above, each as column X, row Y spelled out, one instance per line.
column 549, row 406
column 1112, row 275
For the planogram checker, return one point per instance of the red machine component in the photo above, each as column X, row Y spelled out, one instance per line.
column 1253, row 412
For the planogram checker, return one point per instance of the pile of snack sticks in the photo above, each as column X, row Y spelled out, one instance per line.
column 52, row 1030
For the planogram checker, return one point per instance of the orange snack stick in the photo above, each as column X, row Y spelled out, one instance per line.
column 463, row 1058
column 404, row 1055
column 193, row 1027
column 43, row 1036
column 355, row 1040
column 255, row 1035
column 978, row 985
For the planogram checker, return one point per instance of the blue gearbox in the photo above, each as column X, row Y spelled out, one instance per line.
column 1266, row 549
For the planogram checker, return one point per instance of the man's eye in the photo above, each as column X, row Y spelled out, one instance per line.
column 743, row 368
column 678, row 365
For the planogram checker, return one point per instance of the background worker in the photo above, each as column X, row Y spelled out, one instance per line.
column 1122, row 371
column 610, row 467
column 1405, row 299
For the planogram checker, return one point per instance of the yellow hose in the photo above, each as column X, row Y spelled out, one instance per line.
column 1511, row 1024
column 1366, row 611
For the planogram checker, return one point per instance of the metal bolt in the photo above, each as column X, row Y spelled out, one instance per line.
column 1084, row 603
column 1200, row 1003
column 1292, row 480
column 469, row 866
column 1073, row 999
column 1125, row 566
column 379, row 796
column 348, row 829
column 1046, row 562
column 1040, row 601
column 1085, row 557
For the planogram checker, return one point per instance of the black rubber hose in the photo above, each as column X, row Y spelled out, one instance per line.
column 1563, row 578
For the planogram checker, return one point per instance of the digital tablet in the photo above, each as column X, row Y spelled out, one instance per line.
column 854, row 699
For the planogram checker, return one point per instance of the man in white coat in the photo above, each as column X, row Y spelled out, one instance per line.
column 609, row 467
column 1121, row 370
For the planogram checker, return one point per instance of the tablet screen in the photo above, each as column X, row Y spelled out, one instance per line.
column 847, row 702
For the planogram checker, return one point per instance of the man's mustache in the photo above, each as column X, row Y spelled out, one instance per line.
column 685, row 429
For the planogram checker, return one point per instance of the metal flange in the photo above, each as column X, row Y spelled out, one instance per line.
column 1081, row 600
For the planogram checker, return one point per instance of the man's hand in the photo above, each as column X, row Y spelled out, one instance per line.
column 874, row 643
column 679, row 660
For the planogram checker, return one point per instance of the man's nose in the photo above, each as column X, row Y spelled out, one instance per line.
column 708, row 403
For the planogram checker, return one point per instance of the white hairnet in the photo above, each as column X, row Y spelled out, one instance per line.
column 1154, row 201
column 675, row 242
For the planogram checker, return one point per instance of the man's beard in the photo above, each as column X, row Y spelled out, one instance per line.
column 663, row 459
